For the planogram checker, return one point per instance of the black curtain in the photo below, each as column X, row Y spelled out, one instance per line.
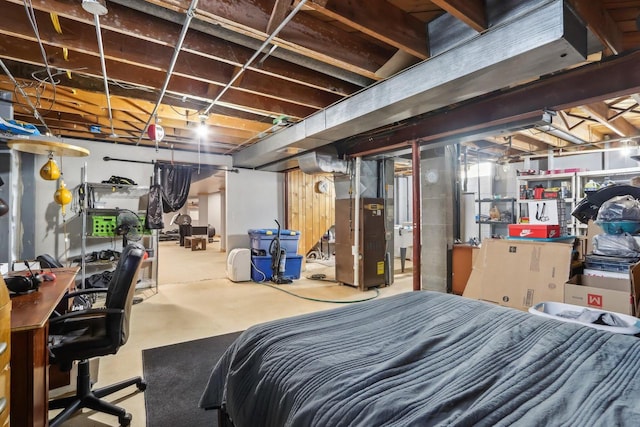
column 168, row 193
column 175, row 181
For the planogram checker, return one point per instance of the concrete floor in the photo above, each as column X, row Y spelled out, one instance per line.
column 196, row 300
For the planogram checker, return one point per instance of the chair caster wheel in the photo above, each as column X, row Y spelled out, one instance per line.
column 142, row 385
column 125, row 420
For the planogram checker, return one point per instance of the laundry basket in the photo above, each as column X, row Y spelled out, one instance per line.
column 552, row 309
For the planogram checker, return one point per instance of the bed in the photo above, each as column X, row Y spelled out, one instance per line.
column 426, row 358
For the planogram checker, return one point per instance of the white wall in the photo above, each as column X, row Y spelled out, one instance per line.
column 215, row 211
column 254, row 199
column 49, row 223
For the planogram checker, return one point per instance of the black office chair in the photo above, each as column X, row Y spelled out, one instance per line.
column 81, row 335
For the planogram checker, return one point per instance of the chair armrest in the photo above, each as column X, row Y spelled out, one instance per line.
column 84, row 292
column 79, row 321
column 92, row 312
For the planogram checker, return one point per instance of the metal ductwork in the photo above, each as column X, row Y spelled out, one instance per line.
column 526, row 45
column 324, row 160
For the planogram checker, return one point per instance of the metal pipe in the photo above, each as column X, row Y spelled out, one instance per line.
column 256, row 54
column 161, row 162
column 355, row 250
column 96, row 19
column 83, row 207
column 36, row 114
column 222, row 33
column 172, row 64
column 415, row 167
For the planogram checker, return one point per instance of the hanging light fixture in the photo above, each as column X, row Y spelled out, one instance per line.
column 202, row 127
column 95, row 7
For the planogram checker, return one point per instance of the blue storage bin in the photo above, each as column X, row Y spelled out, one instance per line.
column 261, row 268
column 261, row 239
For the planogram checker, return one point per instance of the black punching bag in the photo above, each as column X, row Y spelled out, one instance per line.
column 4, row 208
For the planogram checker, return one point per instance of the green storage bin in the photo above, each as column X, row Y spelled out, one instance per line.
column 103, row 225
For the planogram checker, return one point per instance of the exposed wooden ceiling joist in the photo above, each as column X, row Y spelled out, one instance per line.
column 600, row 23
column 329, row 51
column 600, row 111
column 398, row 29
column 471, row 12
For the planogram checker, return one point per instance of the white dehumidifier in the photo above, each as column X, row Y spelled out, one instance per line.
column 239, row 265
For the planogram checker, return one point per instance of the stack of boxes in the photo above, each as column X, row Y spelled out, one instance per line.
column 262, row 244
column 609, row 281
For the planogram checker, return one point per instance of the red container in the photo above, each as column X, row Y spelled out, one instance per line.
column 534, row 231
column 537, row 193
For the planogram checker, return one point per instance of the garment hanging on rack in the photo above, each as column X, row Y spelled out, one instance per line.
column 169, row 192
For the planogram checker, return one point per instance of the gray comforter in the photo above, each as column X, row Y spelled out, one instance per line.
column 425, row 358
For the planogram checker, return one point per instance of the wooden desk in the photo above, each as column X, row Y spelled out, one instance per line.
column 463, row 257
column 29, row 354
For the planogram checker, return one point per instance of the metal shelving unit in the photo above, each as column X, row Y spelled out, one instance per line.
column 565, row 181
column 510, row 204
column 87, row 210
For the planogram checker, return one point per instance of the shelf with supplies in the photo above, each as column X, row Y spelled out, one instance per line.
column 548, row 199
column 501, row 213
column 115, row 212
column 598, row 179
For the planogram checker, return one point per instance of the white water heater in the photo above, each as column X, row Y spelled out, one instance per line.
column 239, row 265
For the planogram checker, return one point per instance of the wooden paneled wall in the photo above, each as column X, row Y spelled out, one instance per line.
column 309, row 210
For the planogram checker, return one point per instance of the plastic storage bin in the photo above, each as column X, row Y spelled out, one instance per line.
column 552, row 309
column 261, row 239
column 103, row 225
column 607, row 263
column 261, row 268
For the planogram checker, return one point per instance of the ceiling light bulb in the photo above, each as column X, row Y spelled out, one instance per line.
column 95, row 7
column 202, row 130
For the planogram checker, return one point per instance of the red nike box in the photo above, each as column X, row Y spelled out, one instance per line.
column 534, row 231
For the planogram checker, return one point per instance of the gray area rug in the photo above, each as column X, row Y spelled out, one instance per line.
column 176, row 376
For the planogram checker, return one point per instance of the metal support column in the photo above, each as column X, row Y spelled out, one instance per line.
column 417, row 234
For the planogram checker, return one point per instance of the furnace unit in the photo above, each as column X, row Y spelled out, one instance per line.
column 372, row 242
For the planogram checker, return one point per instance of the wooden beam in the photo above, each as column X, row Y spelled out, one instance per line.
column 574, row 126
column 136, row 52
column 619, row 125
column 23, row 51
column 600, row 23
column 540, row 136
column 278, row 14
column 304, row 34
column 77, row 24
column 398, row 28
column 471, row 12
column 516, row 143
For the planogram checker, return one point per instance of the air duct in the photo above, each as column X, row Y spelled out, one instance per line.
column 324, row 160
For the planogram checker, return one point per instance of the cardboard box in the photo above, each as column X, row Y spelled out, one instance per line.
column 544, row 212
column 519, row 274
column 605, row 293
column 593, row 229
column 534, row 231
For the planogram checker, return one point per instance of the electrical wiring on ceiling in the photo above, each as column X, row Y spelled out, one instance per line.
column 31, row 16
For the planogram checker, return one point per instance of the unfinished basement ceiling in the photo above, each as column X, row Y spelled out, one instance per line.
column 325, row 53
